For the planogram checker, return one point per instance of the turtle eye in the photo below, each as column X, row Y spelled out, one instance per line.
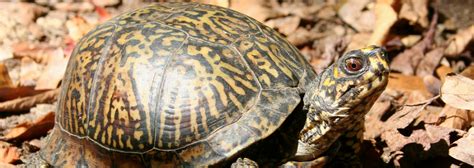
column 353, row 64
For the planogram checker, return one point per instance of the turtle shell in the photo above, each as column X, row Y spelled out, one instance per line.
column 174, row 84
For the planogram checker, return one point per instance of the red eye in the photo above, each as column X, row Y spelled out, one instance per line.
column 353, row 64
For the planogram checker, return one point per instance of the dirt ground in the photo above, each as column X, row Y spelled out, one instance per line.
column 423, row 119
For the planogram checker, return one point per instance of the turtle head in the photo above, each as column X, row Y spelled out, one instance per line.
column 350, row 85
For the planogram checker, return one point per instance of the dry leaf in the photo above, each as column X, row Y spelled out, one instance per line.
column 385, row 17
column 410, row 40
column 53, row 72
column 442, row 71
column 30, row 130
column 459, row 42
column 5, row 52
column 468, row 72
column 252, row 8
column 25, row 103
column 415, row 11
column 404, row 117
column 9, row 93
column 407, row 83
column 432, row 83
column 29, row 72
column 286, row 25
column 9, row 154
column 464, row 149
column 77, row 27
column 408, row 60
column 352, row 13
column 458, row 91
column 5, row 80
column 455, row 118
column 429, row 63
column 38, row 52
column 301, row 36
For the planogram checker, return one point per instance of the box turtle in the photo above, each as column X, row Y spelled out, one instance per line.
column 188, row 84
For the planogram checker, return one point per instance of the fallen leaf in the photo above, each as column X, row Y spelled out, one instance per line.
column 358, row 40
column 432, row 83
column 53, row 72
column 5, row 52
column 434, row 141
column 464, row 149
column 458, row 91
column 30, row 72
column 406, row 115
column 385, row 17
column 442, row 71
column 407, row 83
column 468, row 72
column 352, row 12
column 25, row 103
column 429, row 63
column 37, row 52
column 9, row 93
column 104, row 3
column 5, row 80
column 408, row 60
column 410, row 40
column 415, row 11
column 301, row 36
column 77, row 27
column 9, row 154
column 256, row 10
column 302, row 10
column 285, row 25
column 455, row 118
column 458, row 42
column 30, row 130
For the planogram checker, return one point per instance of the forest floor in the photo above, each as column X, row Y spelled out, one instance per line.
column 425, row 117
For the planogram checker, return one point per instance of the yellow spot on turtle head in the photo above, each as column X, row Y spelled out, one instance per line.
column 328, row 82
column 367, row 49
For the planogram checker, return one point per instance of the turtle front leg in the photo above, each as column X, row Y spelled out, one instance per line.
column 244, row 163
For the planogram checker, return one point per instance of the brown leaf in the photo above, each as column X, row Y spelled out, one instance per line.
column 429, row 63
column 404, row 117
column 426, row 138
column 468, row 72
column 30, row 130
column 9, row 93
column 406, row 83
column 455, row 118
column 442, row 71
column 385, row 17
column 29, row 72
column 5, row 80
column 301, row 36
column 352, row 12
column 286, row 25
column 464, row 149
column 53, row 72
column 6, row 52
column 38, row 52
column 415, row 11
column 9, row 154
column 253, row 8
column 77, row 27
column 459, row 41
column 408, row 60
column 458, row 91
column 432, row 83
column 25, row 103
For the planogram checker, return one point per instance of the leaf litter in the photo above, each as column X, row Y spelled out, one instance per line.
column 424, row 117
